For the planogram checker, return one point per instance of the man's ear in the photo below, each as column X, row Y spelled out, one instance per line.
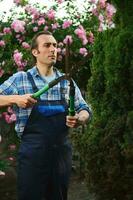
column 35, row 52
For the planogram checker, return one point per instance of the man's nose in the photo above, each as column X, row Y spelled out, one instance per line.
column 52, row 48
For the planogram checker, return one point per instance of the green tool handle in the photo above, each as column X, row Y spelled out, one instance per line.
column 47, row 87
column 40, row 92
column 71, row 109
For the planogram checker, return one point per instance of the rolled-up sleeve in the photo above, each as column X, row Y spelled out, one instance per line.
column 9, row 87
column 80, row 103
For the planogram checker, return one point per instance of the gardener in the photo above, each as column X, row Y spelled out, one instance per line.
column 44, row 157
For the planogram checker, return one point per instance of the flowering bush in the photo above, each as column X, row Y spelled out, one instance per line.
column 77, row 27
column 16, row 33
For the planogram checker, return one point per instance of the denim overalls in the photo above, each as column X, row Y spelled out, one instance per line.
column 44, row 157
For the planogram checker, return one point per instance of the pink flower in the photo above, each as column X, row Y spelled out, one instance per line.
column 13, row 118
column 94, row 11
column 80, row 32
column 6, row 117
column 93, row 1
column 9, row 118
column 2, row 173
column 60, row 1
column 11, row 158
column 1, row 72
column 23, row 64
column 67, row 24
column 3, row 63
column 10, row 110
column 35, row 29
column 55, row 26
column 18, row 26
column 32, row 11
column 68, row 39
column 84, row 41
column 110, row 10
column 102, row 3
column 17, row 2
column 17, row 56
column 7, row 30
column 41, row 21
column 100, row 29
column 101, row 18
column 0, row 138
column 20, row 40
column 25, row 45
column 83, row 51
column 91, row 38
column 60, row 44
column 2, row 43
column 33, row 21
column 59, row 58
column 63, row 51
column 18, row 35
column 59, row 50
column 45, row 28
column 12, row 147
column 51, row 14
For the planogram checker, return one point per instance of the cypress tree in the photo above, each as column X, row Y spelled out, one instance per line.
column 107, row 145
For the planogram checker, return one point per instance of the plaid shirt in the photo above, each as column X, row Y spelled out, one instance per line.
column 18, row 84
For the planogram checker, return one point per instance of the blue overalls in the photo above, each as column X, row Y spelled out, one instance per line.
column 44, row 157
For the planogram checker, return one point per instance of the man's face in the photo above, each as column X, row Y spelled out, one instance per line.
column 46, row 53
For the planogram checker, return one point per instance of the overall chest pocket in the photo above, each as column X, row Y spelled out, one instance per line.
column 49, row 110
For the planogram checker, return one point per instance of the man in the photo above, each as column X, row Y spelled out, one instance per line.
column 44, row 157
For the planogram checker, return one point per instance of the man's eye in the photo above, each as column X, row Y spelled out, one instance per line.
column 46, row 45
column 55, row 45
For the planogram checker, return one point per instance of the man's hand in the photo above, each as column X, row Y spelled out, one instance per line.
column 79, row 119
column 24, row 101
column 72, row 121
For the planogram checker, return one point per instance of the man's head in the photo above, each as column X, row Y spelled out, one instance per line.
column 44, row 48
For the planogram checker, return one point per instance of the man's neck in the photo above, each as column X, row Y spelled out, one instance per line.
column 45, row 70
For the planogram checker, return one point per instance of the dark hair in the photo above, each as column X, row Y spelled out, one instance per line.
column 34, row 44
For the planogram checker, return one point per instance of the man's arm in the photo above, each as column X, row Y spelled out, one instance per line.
column 22, row 101
column 9, row 92
column 83, row 111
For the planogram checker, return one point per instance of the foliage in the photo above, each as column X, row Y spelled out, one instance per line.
column 107, row 145
column 124, row 11
column 8, row 146
column 17, row 31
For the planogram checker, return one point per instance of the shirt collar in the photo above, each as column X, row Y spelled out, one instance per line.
column 34, row 72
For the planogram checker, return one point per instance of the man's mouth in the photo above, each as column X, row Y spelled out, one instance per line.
column 53, row 57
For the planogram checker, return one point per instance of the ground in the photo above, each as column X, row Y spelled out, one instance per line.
column 77, row 190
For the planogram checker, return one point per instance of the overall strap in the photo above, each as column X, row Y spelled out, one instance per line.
column 62, row 88
column 35, row 89
column 62, row 85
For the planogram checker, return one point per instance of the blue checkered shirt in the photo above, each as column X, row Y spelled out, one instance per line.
column 19, row 84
